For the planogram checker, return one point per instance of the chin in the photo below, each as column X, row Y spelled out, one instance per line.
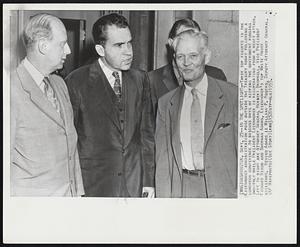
column 126, row 67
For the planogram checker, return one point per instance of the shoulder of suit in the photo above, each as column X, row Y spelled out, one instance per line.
column 168, row 96
column 158, row 72
column 227, row 87
column 80, row 72
column 136, row 74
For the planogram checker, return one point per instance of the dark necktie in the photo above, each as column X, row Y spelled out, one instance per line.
column 50, row 94
column 117, row 85
column 197, row 138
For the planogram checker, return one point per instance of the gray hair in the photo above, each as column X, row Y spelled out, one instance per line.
column 191, row 33
column 39, row 26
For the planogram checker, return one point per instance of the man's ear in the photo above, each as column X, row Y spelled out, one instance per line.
column 170, row 41
column 42, row 46
column 100, row 50
column 207, row 55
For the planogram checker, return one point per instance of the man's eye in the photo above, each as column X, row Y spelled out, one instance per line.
column 194, row 56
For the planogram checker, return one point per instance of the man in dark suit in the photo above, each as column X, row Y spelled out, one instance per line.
column 113, row 116
column 196, row 130
column 44, row 157
column 167, row 78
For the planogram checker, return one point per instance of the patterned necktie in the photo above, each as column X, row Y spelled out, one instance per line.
column 197, row 138
column 50, row 94
column 117, row 85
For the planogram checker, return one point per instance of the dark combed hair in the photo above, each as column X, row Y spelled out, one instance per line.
column 187, row 22
column 100, row 26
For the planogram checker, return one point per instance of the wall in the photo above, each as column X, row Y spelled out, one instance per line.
column 223, row 32
column 222, row 29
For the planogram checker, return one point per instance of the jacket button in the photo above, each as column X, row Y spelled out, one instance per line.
column 70, row 157
column 119, row 173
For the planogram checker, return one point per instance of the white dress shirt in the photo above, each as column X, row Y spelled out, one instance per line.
column 36, row 75
column 108, row 73
column 185, row 121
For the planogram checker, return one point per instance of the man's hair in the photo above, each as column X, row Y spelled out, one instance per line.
column 100, row 26
column 39, row 26
column 192, row 33
column 187, row 22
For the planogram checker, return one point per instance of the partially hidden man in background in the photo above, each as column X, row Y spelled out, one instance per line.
column 167, row 78
column 44, row 158
column 113, row 116
column 196, row 129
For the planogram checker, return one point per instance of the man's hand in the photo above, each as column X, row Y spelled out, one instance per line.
column 148, row 192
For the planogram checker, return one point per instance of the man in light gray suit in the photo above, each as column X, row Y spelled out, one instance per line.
column 196, row 130
column 44, row 158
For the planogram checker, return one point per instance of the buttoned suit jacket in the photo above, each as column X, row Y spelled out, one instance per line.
column 163, row 80
column 44, row 157
column 220, row 141
column 111, row 158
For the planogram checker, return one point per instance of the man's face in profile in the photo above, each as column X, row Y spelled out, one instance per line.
column 190, row 57
column 57, row 48
column 118, row 52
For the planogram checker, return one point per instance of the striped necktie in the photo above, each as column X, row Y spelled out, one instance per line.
column 197, row 138
column 50, row 94
column 117, row 85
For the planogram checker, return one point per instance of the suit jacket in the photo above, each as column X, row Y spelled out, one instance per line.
column 163, row 80
column 220, row 141
column 112, row 159
column 44, row 157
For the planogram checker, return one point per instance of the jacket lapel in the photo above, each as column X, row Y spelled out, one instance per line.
column 100, row 92
column 36, row 95
column 174, row 113
column 169, row 78
column 214, row 104
column 60, row 97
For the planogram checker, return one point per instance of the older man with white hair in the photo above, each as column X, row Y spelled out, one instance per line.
column 196, row 129
column 44, row 157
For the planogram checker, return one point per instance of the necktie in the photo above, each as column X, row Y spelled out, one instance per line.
column 197, row 138
column 50, row 94
column 117, row 85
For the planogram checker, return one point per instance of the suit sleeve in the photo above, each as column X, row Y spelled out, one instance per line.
column 73, row 98
column 162, row 177
column 78, row 175
column 153, row 93
column 79, row 182
column 13, row 123
column 147, row 135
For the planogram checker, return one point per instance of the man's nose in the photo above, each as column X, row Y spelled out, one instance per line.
column 67, row 49
column 128, row 50
column 186, row 61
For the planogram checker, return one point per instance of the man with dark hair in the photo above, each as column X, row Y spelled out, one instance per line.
column 167, row 78
column 44, row 157
column 113, row 116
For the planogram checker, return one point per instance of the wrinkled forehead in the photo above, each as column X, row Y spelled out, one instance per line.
column 189, row 43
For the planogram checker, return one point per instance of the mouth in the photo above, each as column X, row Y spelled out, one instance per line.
column 187, row 71
column 127, row 61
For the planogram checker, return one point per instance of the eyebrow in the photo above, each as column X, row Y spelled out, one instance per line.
column 121, row 43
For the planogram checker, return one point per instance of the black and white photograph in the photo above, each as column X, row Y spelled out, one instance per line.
column 144, row 120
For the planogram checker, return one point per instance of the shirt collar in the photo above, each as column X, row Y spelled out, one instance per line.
column 37, row 76
column 201, row 86
column 108, row 72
